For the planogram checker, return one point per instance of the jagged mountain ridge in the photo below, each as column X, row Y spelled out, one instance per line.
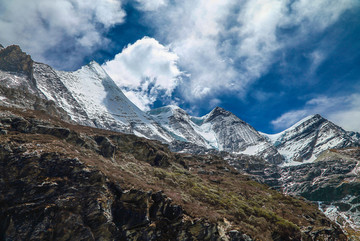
column 308, row 138
column 110, row 108
column 220, row 130
column 90, row 97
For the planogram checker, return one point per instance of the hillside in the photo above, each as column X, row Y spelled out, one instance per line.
column 64, row 181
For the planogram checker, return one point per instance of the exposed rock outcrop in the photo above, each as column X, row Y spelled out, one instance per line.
column 332, row 182
column 14, row 60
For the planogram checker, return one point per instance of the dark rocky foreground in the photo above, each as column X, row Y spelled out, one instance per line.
column 65, row 182
column 50, row 197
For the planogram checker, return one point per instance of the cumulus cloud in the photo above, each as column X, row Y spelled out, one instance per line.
column 227, row 45
column 71, row 29
column 146, row 71
column 193, row 29
column 343, row 111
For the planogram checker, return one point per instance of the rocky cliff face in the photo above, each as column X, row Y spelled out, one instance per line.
column 332, row 182
column 12, row 59
column 62, row 182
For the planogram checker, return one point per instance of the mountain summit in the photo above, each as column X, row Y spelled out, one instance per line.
column 88, row 96
column 308, row 138
column 219, row 129
column 12, row 59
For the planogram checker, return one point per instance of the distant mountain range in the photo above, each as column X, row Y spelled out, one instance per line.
column 90, row 97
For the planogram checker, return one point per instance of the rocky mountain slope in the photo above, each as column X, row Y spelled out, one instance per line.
column 88, row 96
column 220, row 130
column 307, row 139
column 62, row 181
column 332, row 181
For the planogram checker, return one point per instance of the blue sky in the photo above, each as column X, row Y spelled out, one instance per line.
column 270, row 62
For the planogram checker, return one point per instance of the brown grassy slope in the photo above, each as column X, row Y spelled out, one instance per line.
column 205, row 186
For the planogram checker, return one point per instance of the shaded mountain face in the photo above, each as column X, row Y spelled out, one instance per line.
column 307, row 139
column 180, row 125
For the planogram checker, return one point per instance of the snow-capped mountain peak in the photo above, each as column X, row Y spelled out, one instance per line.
column 219, row 129
column 167, row 111
column 217, row 111
column 96, row 69
column 106, row 105
column 274, row 138
column 307, row 139
column 179, row 124
column 90, row 97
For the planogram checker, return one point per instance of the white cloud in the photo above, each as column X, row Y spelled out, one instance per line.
column 193, row 29
column 145, row 70
column 146, row 5
column 349, row 117
column 289, row 118
column 320, row 12
column 259, row 20
column 227, row 45
column 343, row 111
column 214, row 102
column 317, row 57
column 71, row 27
